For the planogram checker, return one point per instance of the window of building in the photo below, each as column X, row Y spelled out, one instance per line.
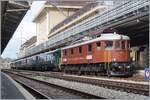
column 117, row 44
column 89, row 47
column 71, row 50
column 108, row 44
column 80, row 49
column 98, row 45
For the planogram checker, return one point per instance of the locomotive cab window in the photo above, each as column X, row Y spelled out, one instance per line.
column 123, row 44
column 89, row 47
column 128, row 44
column 98, row 45
column 108, row 44
column 80, row 49
column 71, row 50
column 117, row 44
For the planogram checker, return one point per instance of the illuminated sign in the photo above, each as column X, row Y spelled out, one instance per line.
column 147, row 73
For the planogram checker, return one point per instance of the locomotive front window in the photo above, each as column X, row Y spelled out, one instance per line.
column 123, row 44
column 89, row 47
column 108, row 44
column 80, row 49
column 128, row 44
column 117, row 44
column 98, row 45
column 71, row 50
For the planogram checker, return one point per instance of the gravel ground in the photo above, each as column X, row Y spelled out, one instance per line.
column 96, row 90
column 116, row 79
column 52, row 92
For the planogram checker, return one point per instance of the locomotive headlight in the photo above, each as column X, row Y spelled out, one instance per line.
column 119, row 66
column 128, row 66
column 114, row 59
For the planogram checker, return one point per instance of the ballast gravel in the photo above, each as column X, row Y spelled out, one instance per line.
column 93, row 89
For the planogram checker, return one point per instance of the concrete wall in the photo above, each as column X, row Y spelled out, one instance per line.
column 48, row 18
column 140, row 56
column 41, row 27
column 56, row 16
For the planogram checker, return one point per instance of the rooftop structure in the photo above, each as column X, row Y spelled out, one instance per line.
column 28, row 44
column 82, row 11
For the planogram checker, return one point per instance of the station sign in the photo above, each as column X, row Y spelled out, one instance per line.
column 147, row 73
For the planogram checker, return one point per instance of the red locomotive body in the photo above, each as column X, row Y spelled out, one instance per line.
column 107, row 54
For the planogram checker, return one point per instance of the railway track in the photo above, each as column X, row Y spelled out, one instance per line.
column 121, row 86
column 34, row 92
column 44, row 90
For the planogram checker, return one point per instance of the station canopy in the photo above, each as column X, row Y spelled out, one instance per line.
column 12, row 12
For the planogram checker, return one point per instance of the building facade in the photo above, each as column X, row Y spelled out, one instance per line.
column 28, row 44
column 51, row 14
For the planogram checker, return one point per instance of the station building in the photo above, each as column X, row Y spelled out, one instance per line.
column 52, row 20
column 28, row 44
column 55, row 17
column 53, row 13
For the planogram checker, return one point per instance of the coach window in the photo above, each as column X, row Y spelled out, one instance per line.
column 117, row 44
column 37, row 58
column 80, row 49
column 98, row 45
column 123, row 44
column 89, row 47
column 71, row 50
column 26, row 61
column 108, row 44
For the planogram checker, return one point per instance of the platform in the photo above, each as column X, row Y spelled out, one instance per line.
column 12, row 90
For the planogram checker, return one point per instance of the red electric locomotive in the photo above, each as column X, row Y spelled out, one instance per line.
column 107, row 54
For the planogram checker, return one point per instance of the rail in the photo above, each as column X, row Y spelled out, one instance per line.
column 130, row 87
column 82, row 94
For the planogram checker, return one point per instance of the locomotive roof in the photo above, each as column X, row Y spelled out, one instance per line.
column 110, row 36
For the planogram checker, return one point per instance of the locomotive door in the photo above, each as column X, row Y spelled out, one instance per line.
column 107, row 59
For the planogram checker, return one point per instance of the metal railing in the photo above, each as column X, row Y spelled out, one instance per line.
column 101, row 18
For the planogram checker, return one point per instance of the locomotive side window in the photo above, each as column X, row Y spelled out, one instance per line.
column 26, row 61
column 108, row 44
column 89, row 47
column 37, row 58
column 98, row 45
column 128, row 44
column 118, row 44
column 65, row 53
column 123, row 44
column 71, row 50
column 80, row 49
